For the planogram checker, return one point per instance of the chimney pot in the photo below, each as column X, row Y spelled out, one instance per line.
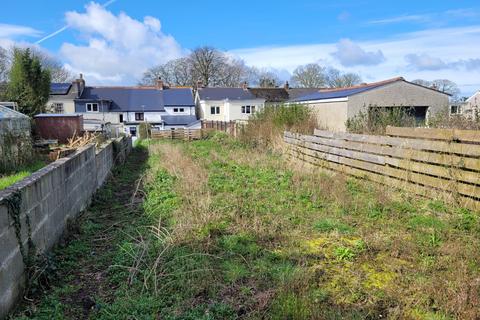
column 199, row 84
column 287, row 85
column 159, row 84
column 245, row 85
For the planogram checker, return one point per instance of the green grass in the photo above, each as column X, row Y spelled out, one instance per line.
column 223, row 231
column 20, row 174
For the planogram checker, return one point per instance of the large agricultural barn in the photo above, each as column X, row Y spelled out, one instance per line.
column 334, row 106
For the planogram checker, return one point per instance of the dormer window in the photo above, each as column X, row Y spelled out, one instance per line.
column 178, row 110
column 92, row 107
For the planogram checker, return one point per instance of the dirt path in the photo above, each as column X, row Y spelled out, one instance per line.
column 80, row 283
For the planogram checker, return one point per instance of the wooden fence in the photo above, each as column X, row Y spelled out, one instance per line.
column 178, row 134
column 230, row 127
column 428, row 162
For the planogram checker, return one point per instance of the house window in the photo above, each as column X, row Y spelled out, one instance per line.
column 248, row 109
column 454, row 109
column 120, row 118
column 58, row 107
column 178, row 109
column 138, row 116
column 214, row 110
column 133, row 131
column 92, row 107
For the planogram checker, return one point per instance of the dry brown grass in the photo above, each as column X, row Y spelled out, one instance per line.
column 195, row 210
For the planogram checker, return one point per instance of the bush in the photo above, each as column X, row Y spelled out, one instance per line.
column 376, row 120
column 266, row 126
column 144, row 130
column 446, row 120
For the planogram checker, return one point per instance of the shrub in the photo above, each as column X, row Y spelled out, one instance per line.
column 376, row 120
column 266, row 126
column 446, row 120
column 144, row 130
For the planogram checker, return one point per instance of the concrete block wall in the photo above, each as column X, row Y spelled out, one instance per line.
column 48, row 199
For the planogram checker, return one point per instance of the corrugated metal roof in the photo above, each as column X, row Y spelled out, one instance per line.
column 7, row 113
column 56, row 115
column 178, row 120
column 344, row 92
column 225, row 93
column 139, row 98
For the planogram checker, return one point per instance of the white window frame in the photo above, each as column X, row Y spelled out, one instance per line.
column 177, row 110
column 91, row 104
column 248, row 109
column 143, row 116
column 216, row 110
column 58, row 107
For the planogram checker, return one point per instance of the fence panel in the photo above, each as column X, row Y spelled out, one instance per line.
column 178, row 134
column 424, row 161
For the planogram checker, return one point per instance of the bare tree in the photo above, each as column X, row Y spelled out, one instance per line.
column 422, row 82
column 309, row 76
column 4, row 64
column 262, row 77
column 447, row 86
column 336, row 79
column 182, row 72
column 206, row 64
column 58, row 72
column 350, row 79
column 443, row 85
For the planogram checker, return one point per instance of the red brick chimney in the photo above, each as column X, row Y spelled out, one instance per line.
column 199, row 84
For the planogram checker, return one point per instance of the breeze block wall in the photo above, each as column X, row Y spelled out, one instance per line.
column 34, row 212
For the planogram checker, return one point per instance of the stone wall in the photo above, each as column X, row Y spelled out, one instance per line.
column 34, row 212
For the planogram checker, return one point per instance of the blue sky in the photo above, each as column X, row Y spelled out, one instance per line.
column 378, row 39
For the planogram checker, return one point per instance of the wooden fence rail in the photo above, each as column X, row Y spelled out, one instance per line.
column 178, row 134
column 428, row 162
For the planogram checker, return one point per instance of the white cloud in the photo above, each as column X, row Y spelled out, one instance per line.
column 343, row 16
column 12, row 31
column 448, row 44
column 403, row 18
column 425, row 62
column 118, row 48
column 350, row 54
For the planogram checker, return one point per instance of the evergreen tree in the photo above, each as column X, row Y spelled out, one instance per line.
column 29, row 83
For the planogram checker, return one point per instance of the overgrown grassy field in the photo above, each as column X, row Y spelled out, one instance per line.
column 20, row 174
column 214, row 229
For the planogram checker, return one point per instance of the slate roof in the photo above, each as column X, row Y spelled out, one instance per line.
column 271, row 94
column 125, row 99
column 178, row 120
column 225, row 93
